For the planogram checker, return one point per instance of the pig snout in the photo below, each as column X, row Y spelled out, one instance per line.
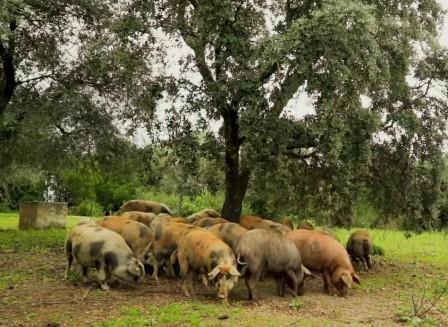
column 222, row 293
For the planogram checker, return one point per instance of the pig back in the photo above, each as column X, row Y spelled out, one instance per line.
column 91, row 243
column 230, row 233
column 204, row 249
column 260, row 247
column 319, row 251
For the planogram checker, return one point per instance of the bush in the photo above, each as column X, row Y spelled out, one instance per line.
column 4, row 207
column 88, row 208
column 185, row 206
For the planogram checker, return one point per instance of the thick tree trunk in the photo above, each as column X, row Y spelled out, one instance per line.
column 237, row 177
column 8, row 81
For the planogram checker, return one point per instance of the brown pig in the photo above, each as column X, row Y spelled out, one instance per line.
column 254, row 222
column 360, row 247
column 140, row 216
column 261, row 251
column 145, row 206
column 322, row 253
column 230, row 233
column 137, row 235
column 209, row 222
column 166, row 235
column 201, row 252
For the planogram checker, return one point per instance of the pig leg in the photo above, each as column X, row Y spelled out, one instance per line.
column 102, row 275
column 155, row 270
column 204, row 280
column 280, row 279
column 368, row 262
column 84, row 274
column 291, row 274
column 187, row 285
column 69, row 264
column 327, row 282
column 249, row 281
column 170, row 270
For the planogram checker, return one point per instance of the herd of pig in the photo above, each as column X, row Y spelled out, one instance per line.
column 210, row 249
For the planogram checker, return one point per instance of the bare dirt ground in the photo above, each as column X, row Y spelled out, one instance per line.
column 43, row 298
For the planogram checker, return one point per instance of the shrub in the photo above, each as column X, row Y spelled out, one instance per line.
column 88, row 208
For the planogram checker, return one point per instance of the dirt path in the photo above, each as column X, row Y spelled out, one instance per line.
column 42, row 297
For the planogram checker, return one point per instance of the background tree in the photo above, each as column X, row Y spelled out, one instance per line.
column 339, row 51
column 70, row 79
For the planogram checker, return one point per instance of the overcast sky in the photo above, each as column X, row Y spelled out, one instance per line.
column 299, row 106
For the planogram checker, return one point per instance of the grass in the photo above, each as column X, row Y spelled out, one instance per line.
column 428, row 247
column 14, row 277
column 421, row 261
column 175, row 314
column 13, row 239
column 197, row 314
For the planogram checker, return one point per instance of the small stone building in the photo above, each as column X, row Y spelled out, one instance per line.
column 42, row 214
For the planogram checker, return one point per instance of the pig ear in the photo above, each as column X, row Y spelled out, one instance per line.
column 347, row 280
column 234, row 272
column 356, row 279
column 213, row 273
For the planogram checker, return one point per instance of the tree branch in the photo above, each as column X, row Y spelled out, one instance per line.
column 34, row 79
column 195, row 43
column 281, row 95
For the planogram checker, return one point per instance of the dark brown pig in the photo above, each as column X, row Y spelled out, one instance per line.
column 321, row 253
column 254, row 222
column 230, row 233
column 209, row 222
column 360, row 247
column 145, row 206
column 201, row 252
column 261, row 251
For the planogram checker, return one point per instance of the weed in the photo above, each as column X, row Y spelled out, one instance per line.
column 296, row 305
column 184, row 314
column 9, row 279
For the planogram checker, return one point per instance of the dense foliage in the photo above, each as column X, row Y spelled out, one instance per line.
column 77, row 76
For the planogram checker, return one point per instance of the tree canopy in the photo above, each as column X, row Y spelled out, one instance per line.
column 375, row 71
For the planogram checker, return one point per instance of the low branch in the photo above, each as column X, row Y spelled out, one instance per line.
column 34, row 79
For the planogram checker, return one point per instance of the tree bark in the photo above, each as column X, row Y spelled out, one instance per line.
column 8, row 81
column 237, row 177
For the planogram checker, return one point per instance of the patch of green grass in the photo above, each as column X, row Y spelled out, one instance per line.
column 26, row 240
column 10, row 278
column 174, row 314
column 296, row 304
column 13, row 239
column 428, row 247
column 10, row 220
